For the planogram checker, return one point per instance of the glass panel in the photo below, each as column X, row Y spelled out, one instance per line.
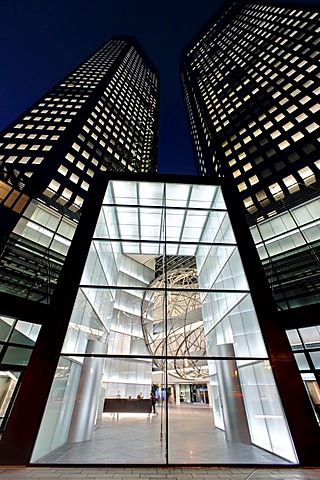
column 119, row 318
column 17, row 356
column 173, row 322
column 5, row 327
column 107, row 402
column 301, row 361
column 8, row 384
column 310, row 336
column 315, row 357
column 25, row 333
column 294, row 339
column 243, row 413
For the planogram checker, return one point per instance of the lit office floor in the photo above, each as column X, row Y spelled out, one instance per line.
column 140, row 440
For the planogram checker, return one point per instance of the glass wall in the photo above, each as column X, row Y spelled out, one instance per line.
column 288, row 244
column 17, row 339
column 163, row 361
column 305, row 343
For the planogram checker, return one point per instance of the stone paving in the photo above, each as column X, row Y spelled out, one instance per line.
column 154, row 473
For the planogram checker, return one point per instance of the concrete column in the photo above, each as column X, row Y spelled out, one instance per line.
column 88, row 395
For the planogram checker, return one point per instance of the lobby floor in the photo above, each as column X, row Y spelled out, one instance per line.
column 141, row 440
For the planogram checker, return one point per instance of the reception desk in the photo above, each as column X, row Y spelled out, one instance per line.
column 127, row 405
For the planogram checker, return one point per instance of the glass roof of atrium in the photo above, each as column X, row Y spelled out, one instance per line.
column 144, row 216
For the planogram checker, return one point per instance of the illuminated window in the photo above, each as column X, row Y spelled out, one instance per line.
column 63, row 170
column 313, row 126
column 253, row 180
column 284, row 145
column 307, row 175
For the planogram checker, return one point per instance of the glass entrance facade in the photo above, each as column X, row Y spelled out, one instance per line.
column 163, row 361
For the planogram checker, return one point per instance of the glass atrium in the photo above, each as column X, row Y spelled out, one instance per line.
column 163, row 310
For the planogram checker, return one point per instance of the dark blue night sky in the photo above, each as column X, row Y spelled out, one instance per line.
column 43, row 40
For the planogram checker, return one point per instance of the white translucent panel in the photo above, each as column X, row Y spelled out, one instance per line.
column 102, row 300
column 119, row 343
column 216, row 400
column 90, row 319
column 127, row 377
column 128, row 223
column 128, row 231
column 301, row 361
column 54, row 428
column 220, row 267
column 268, row 427
column 231, row 275
column 30, row 330
column 218, row 228
column 67, row 229
column 151, row 193
column 246, row 331
column 216, row 306
column 94, row 273
column 124, row 323
column 307, row 212
column 219, row 202
column 195, row 219
column 41, row 214
column 108, row 196
column 262, row 252
column 175, row 218
column 131, row 248
column 315, row 357
column 107, row 225
column 239, row 327
column 34, row 232
column 310, row 336
column 278, row 225
column 225, row 233
column 134, row 271
column 151, row 223
column 187, row 250
column 255, row 232
column 122, row 192
column 285, row 244
column 150, row 249
column 177, row 195
column 172, row 249
column 60, row 245
column 129, row 301
column 294, row 338
column 202, row 196
column 312, row 232
column 110, row 256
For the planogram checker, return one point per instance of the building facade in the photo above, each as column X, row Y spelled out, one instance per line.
column 102, row 116
column 250, row 82
column 137, row 323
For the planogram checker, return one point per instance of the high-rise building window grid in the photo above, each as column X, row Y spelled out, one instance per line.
column 25, row 146
column 271, row 192
column 69, row 165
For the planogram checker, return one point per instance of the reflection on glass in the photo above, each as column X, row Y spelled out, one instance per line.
column 8, row 384
column 5, row 327
column 17, row 356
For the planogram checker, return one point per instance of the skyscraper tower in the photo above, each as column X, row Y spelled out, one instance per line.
column 250, row 81
column 102, row 116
